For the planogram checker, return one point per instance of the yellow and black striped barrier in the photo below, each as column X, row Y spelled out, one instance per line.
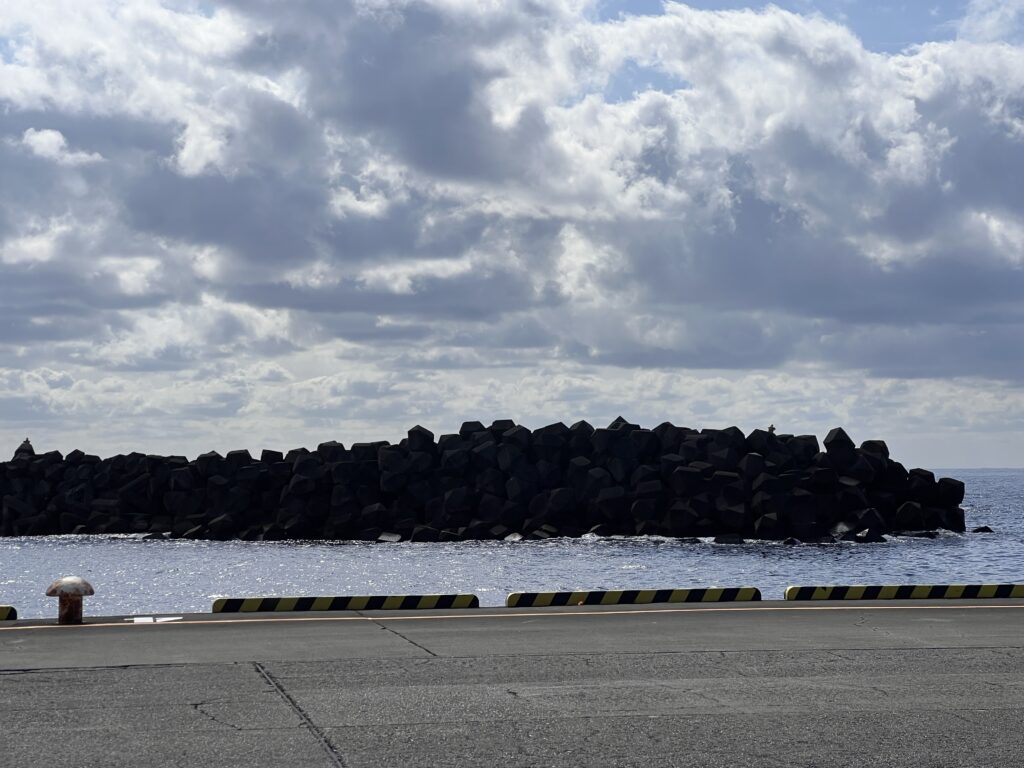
column 344, row 603
column 907, row 592
column 8, row 613
column 632, row 597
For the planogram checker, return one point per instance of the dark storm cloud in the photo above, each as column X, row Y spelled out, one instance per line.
column 769, row 261
column 407, row 78
column 110, row 136
column 401, row 235
column 260, row 219
column 929, row 351
column 471, row 296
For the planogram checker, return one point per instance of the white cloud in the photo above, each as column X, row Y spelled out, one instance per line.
column 1006, row 232
column 39, row 246
column 383, row 207
column 988, row 21
column 52, row 145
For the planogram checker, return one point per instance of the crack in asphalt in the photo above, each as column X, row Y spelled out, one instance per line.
column 198, row 706
column 399, row 634
column 330, row 750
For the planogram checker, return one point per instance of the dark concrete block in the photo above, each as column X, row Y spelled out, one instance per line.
column 181, row 480
column 300, row 485
column 455, row 461
column 546, row 531
column 421, row 462
column 501, row 426
column 870, row 519
column 649, row 489
column 295, row 454
column 492, row 481
column 643, row 473
column 577, row 470
column 862, row 470
column 550, row 434
column 367, row 452
column 648, row 528
column 687, row 481
column 582, row 427
column 490, row 508
column 420, row 439
column 424, row 533
column 484, row 455
column 597, row 480
column 520, row 490
column 704, row 467
column 470, row 428
column 548, row 474
column 839, row 447
column 950, row 492
column 459, row 501
column 728, row 538
column 331, row 452
column 235, row 460
column 767, row 526
column 750, row 466
column 895, row 478
column 561, row 502
column 393, row 482
column 209, row 464
column 451, row 443
column 393, row 459
column 876, row 448
column 645, row 509
column 620, row 423
column 510, row 456
column 518, row 436
column 803, row 448
column 612, row 501
column 310, row 466
column 646, row 444
column 669, row 435
column 761, row 441
column 922, row 486
column 271, row 457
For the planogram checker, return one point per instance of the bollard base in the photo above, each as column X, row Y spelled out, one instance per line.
column 69, row 609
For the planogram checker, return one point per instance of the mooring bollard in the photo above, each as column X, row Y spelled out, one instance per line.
column 70, row 590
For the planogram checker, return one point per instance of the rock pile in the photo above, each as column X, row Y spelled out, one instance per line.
column 498, row 482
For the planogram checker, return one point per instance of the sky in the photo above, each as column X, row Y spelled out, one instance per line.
column 249, row 224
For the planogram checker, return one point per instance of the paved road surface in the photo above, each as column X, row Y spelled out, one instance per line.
column 880, row 684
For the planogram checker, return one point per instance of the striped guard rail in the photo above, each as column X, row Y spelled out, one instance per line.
column 632, row 597
column 344, row 603
column 907, row 592
column 8, row 613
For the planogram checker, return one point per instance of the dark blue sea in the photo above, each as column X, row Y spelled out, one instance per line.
column 132, row 576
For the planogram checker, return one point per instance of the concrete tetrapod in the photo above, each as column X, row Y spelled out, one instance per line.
column 70, row 590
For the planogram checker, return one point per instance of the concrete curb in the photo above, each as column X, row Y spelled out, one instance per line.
column 344, row 603
column 906, row 592
column 632, row 597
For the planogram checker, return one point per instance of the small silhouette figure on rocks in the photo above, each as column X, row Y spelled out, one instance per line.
column 771, row 429
column 25, row 449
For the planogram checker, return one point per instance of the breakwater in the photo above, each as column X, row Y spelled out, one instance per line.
column 503, row 481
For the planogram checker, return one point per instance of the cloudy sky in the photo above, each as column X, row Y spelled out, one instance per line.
column 251, row 223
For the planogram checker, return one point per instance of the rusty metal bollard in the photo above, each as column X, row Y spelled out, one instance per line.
column 70, row 590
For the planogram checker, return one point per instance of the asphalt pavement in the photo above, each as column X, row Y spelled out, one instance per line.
column 915, row 683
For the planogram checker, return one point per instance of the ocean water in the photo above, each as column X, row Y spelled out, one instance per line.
column 132, row 576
